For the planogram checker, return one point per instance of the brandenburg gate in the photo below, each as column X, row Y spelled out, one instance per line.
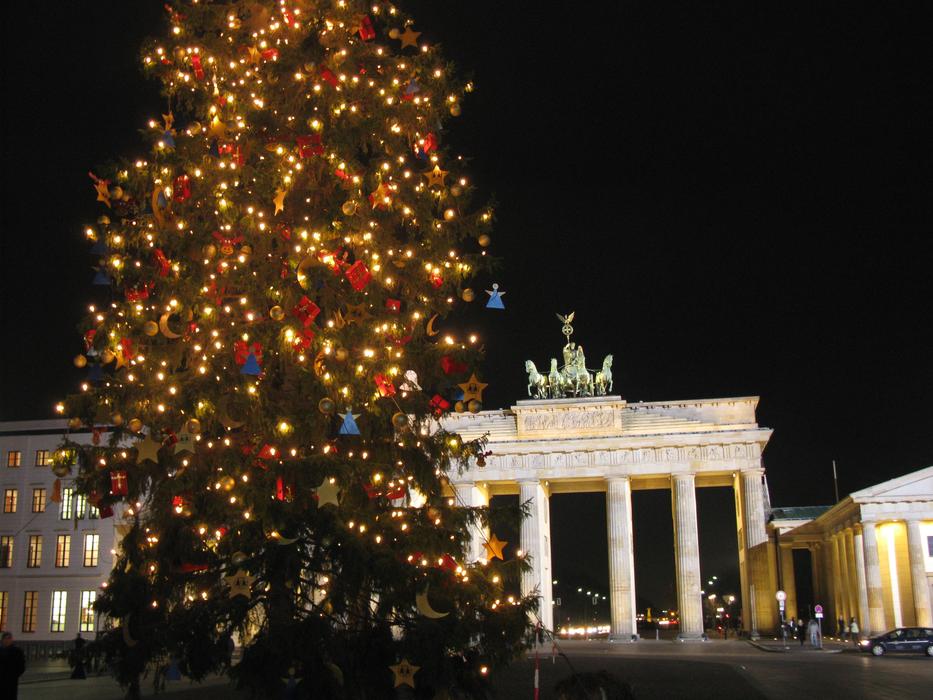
column 555, row 443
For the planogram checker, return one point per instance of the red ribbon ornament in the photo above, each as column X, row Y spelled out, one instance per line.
column 242, row 349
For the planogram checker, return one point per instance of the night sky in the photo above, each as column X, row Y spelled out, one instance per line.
column 733, row 197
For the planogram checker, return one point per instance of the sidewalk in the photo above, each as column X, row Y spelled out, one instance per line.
column 831, row 645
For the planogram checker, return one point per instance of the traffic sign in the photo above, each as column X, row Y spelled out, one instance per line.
column 818, row 609
column 819, row 616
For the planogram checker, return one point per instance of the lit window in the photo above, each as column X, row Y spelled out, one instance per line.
column 80, row 505
column 59, row 603
column 6, row 552
column 63, row 551
column 93, row 512
column 10, row 497
column 68, row 501
column 34, row 557
column 14, row 458
column 30, row 610
column 4, row 606
column 38, row 500
column 87, row 610
column 42, row 458
column 91, row 544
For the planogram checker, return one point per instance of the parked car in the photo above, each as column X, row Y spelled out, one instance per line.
column 918, row 640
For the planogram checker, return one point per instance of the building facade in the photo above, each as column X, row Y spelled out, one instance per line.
column 871, row 555
column 55, row 550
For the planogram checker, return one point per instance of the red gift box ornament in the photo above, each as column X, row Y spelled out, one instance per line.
column 196, row 65
column 268, row 452
column 162, row 262
column 310, row 145
column 367, row 33
column 306, row 311
column 138, row 293
column 302, row 340
column 328, row 76
column 270, row 54
column 385, row 387
column 181, row 188
column 282, row 491
column 439, row 404
column 359, row 276
column 451, row 366
column 119, row 486
column 394, row 305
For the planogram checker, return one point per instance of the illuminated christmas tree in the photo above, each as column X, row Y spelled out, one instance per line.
column 268, row 358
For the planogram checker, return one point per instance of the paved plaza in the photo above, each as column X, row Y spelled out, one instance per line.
column 655, row 669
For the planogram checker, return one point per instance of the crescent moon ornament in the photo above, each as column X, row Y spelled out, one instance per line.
column 319, row 368
column 223, row 415
column 424, row 607
column 166, row 331
column 429, row 329
column 302, row 272
column 127, row 638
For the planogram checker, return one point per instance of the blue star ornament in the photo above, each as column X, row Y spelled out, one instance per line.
column 495, row 298
column 349, row 427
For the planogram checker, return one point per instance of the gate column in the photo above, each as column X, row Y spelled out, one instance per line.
column 535, row 541
column 687, row 556
column 621, row 559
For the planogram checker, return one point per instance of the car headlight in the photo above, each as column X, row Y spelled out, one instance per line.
column 865, row 642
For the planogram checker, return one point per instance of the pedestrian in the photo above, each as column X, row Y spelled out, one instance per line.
column 840, row 627
column 801, row 634
column 77, row 659
column 813, row 629
column 854, row 630
column 12, row 665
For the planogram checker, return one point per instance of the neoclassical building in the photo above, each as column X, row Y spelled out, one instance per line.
column 871, row 554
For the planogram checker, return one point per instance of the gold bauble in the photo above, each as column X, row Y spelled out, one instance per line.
column 277, row 313
column 135, row 425
column 484, row 240
column 455, row 109
column 227, row 482
column 103, row 220
column 450, row 214
column 194, row 128
column 468, row 294
column 459, row 407
column 116, row 192
column 349, row 207
column 400, row 421
column 474, row 406
column 116, row 419
column 194, row 426
column 150, row 328
column 209, row 250
column 107, row 356
column 326, row 406
column 456, row 190
column 80, row 361
column 341, row 354
column 393, row 33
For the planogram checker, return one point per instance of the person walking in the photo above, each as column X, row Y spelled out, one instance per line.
column 12, row 665
column 79, row 672
column 853, row 631
column 801, row 632
column 841, row 627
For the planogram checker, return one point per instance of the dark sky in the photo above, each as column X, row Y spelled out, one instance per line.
column 733, row 197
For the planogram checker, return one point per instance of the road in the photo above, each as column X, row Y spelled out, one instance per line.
column 655, row 669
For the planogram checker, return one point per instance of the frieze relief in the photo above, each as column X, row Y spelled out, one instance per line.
column 568, row 420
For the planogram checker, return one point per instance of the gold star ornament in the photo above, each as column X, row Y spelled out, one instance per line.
column 327, row 492
column 494, row 547
column 279, row 200
column 436, row 176
column 473, row 389
column 239, row 583
column 148, row 449
column 404, row 673
column 409, row 37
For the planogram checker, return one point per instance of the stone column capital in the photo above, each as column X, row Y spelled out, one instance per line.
column 752, row 471
column 618, row 479
column 684, row 476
